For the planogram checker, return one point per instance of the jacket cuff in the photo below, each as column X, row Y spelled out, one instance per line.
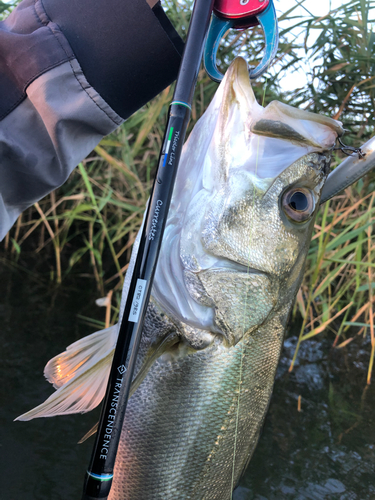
column 70, row 72
column 128, row 52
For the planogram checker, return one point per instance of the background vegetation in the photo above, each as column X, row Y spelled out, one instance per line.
column 91, row 222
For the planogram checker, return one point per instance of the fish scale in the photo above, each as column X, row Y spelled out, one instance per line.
column 189, row 418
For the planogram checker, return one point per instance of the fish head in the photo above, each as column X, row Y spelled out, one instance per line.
column 243, row 210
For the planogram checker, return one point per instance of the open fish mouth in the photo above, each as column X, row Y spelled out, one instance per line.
column 225, row 221
column 224, row 247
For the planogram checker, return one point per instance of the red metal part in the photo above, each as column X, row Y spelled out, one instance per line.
column 234, row 9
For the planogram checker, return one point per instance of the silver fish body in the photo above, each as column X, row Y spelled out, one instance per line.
column 230, row 266
column 193, row 424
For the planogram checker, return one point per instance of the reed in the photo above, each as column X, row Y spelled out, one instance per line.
column 92, row 220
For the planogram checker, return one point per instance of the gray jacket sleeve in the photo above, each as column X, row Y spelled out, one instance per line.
column 70, row 73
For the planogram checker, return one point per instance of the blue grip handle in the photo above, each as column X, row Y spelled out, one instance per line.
column 218, row 28
column 268, row 21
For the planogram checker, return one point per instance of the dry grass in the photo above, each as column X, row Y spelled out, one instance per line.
column 95, row 216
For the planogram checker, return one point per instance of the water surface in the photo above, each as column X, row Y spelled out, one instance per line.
column 326, row 451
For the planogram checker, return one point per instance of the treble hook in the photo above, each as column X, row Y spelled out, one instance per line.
column 352, row 150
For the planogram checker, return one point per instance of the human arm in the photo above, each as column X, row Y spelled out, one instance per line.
column 70, row 73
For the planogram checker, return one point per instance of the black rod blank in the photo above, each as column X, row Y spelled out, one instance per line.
column 99, row 476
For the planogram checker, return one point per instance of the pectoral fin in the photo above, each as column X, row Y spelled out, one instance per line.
column 80, row 374
column 80, row 356
column 80, row 394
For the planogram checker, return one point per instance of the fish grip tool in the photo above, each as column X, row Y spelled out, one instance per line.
column 98, row 479
column 241, row 14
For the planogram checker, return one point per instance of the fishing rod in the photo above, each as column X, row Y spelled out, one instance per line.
column 98, row 479
column 229, row 14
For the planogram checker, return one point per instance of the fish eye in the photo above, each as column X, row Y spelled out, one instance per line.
column 298, row 203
